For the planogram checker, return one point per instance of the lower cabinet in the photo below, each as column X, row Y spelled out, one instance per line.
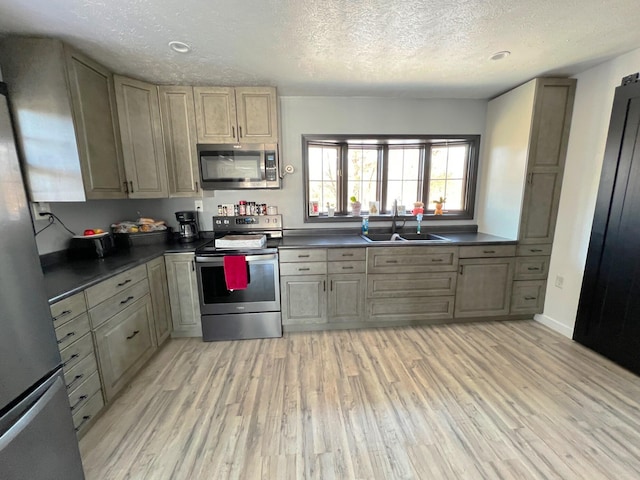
column 124, row 343
column 183, row 294
column 322, row 287
column 484, row 287
column 159, row 290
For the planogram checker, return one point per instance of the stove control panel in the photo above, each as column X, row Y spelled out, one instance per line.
column 247, row 223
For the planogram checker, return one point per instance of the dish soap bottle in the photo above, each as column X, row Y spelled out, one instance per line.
column 365, row 225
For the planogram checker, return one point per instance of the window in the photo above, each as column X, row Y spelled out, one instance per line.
column 379, row 170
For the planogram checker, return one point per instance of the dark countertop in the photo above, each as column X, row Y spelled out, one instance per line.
column 72, row 276
column 349, row 240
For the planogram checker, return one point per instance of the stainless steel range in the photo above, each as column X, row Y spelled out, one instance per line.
column 246, row 312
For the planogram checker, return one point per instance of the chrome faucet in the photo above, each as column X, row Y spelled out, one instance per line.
column 394, row 216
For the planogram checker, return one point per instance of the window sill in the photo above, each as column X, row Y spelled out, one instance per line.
column 427, row 217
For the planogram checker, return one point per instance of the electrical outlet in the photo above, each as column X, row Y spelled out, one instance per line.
column 39, row 207
column 559, row 281
column 199, row 205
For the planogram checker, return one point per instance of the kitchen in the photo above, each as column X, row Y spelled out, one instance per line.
column 339, row 114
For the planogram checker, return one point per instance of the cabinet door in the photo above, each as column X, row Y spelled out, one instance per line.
column 304, row 299
column 159, row 290
column 142, row 146
column 257, row 114
column 124, row 343
column 215, row 114
column 547, row 152
column 484, row 287
column 95, row 119
column 183, row 294
column 346, row 297
column 528, row 296
column 179, row 132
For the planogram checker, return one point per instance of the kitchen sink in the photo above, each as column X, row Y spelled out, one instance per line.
column 405, row 237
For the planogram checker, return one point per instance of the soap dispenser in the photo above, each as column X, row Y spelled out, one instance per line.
column 365, row 225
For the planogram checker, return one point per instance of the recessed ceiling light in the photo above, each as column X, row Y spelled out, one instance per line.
column 179, row 47
column 500, row 55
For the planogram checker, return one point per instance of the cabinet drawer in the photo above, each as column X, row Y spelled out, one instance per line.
column 347, row 267
column 306, row 255
column 124, row 343
column 482, row 251
column 411, row 259
column 533, row 250
column 75, row 352
column 110, row 287
column 532, row 268
column 87, row 412
column 69, row 308
column 528, row 296
column 409, row 309
column 117, row 303
column 69, row 332
column 303, row 268
column 348, row 254
column 411, row 285
column 84, row 391
column 82, row 370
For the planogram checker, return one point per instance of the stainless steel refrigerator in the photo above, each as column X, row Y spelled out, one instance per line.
column 37, row 437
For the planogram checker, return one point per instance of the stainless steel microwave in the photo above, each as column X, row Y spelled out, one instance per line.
column 237, row 166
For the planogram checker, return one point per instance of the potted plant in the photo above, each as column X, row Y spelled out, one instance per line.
column 439, row 204
column 355, row 206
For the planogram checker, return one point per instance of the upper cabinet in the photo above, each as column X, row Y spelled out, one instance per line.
column 142, row 144
column 236, row 115
column 64, row 112
column 525, row 145
column 177, row 111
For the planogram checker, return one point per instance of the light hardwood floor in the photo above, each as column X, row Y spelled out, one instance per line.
column 482, row 400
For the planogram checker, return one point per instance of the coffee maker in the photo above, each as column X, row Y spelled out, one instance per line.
column 188, row 229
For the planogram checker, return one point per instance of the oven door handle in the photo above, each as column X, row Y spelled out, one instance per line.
column 250, row 258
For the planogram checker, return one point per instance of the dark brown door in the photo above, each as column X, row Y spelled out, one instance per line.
column 608, row 318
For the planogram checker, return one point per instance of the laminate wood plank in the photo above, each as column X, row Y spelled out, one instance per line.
column 481, row 400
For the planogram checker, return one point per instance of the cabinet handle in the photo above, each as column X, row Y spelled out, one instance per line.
column 75, row 380
column 436, row 260
column 135, row 332
column 488, row 251
column 126, row 187
column 304, row 269
column 66, row 337
column 530, row 178
column 75, row 355
column 233, row 132
column 331, row 286
column 530, row 298
column 128, row 280
column 536, row 250
column 347, row 254
column 347, row 268
column 62, row 314
column 197, row 188
column 240, row 130
column 304, row 256
column 533, row 268
column 126, row 300
column 391, row 261
column 81, row 399
column 461, row 267
column 85, row 419
column 193, row 265
column 324, row 285
column 131, row 183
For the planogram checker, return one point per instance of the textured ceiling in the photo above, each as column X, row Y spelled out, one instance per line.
column 404, row 48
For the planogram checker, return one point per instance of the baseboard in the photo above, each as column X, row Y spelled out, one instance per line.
column 554, row 325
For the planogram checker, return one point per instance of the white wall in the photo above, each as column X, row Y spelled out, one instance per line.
column 589, row 126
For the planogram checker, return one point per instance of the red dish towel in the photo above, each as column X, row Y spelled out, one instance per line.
column 235, row 272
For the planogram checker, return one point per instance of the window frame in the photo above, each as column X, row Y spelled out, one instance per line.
column 383, row 142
